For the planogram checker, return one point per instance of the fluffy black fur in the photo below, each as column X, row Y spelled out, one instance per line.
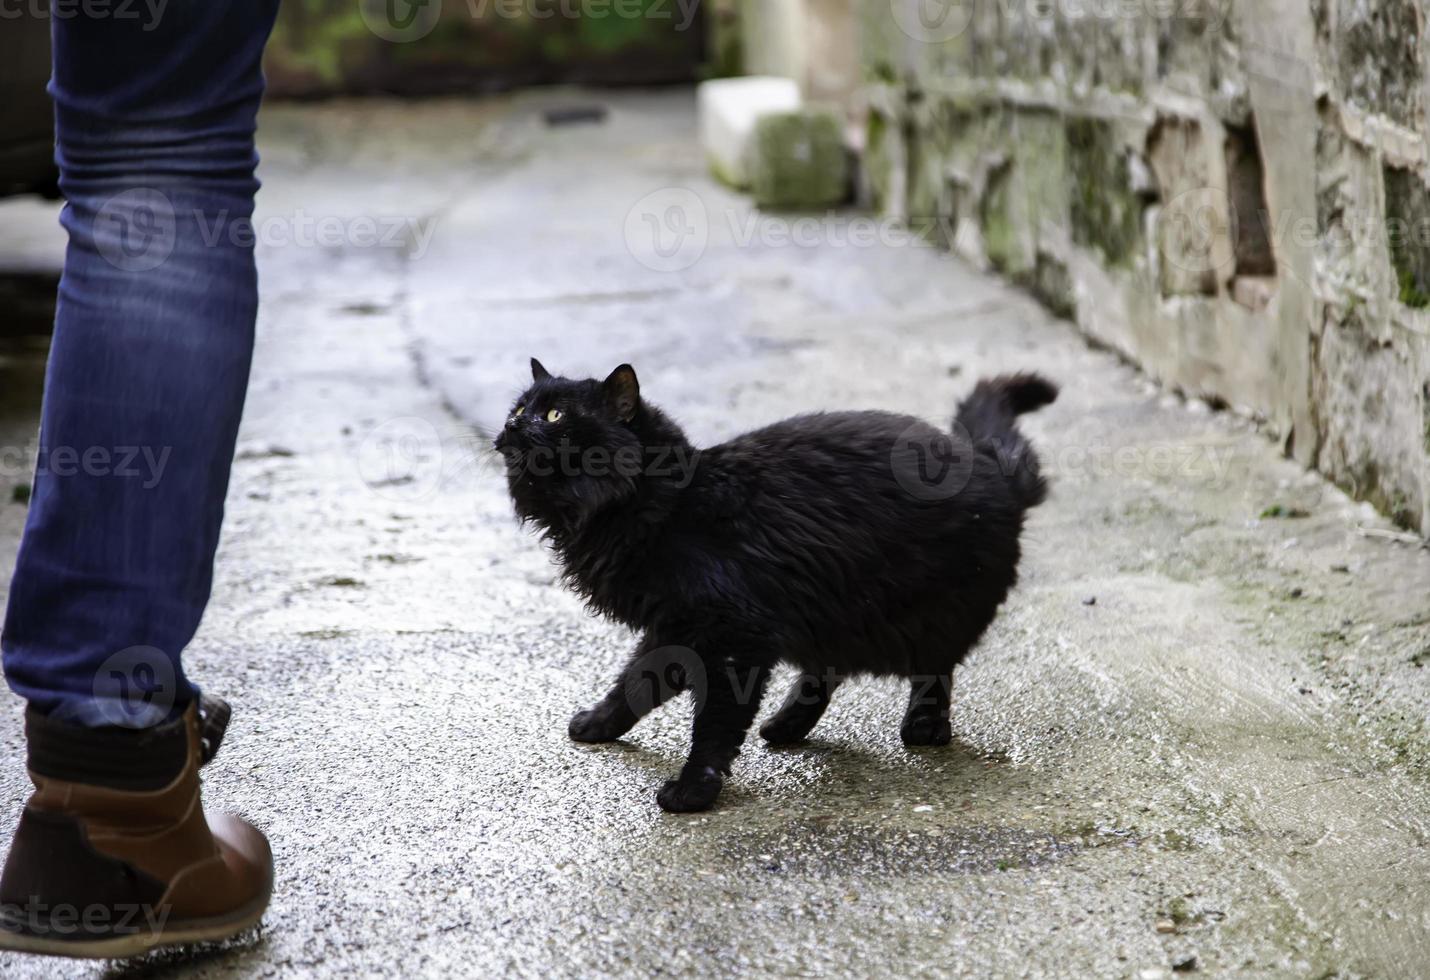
column 844, row 543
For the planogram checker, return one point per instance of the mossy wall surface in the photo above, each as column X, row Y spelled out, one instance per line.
column 798, row 160
column 1238, row 190
column 330, row 47
column 1407, row 232
column 1105, row 213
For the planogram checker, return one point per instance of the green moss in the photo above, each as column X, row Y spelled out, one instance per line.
column 1425, row 412
column 1043, row 168
column 1407, row 210
column 324, row 46
column 557, row 47
column 1105, row 213
column 1400, row 513
column 314, row 37
column 325, row 634
column 878, row 160
column 1282, row 511
column 1000, row 237
column 613, row 33
column 1179, row 911
column 1175, row 840
column 928, row 194
column 727, row 45
column 798, row 160
column 882, row 71
column 874, row 130
column 1410, row 292
column 1379, row 48
column 720, row 172
column 342, row 582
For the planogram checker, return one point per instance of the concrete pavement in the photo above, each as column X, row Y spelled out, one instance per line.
column 1194, row 739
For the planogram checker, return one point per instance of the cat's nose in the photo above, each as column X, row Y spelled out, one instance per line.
column 508, row 432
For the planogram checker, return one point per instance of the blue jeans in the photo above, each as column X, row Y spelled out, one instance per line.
column 153, row 337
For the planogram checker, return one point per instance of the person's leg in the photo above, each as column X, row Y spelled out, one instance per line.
column 114, row 853
column 150, row 358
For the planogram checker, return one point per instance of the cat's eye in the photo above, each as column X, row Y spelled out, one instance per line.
column 555, row 415
column 520, row 409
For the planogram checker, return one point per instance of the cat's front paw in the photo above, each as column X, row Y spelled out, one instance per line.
column 691, row 792
column 598, row 724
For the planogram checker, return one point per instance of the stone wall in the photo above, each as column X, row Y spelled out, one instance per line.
column 1232, row 193
column 812, row 41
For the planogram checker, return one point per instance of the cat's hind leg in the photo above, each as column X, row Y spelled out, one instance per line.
column 654, row 675
column 803, row 706
column 926, row 720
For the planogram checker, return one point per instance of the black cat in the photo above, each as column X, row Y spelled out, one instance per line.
column 843, row 543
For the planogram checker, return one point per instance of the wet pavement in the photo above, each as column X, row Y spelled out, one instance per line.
column 1194, row 740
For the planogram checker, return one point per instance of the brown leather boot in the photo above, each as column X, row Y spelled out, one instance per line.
column 114, row 856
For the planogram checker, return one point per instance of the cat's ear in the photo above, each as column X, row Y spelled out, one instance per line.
column 538, row 373
column 623, row 392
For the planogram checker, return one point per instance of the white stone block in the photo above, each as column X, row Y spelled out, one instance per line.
column 728, row 110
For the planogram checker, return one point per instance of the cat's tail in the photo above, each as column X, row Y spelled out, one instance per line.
column 990, row 417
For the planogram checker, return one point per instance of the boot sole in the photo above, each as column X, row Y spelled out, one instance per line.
column 183, row 932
